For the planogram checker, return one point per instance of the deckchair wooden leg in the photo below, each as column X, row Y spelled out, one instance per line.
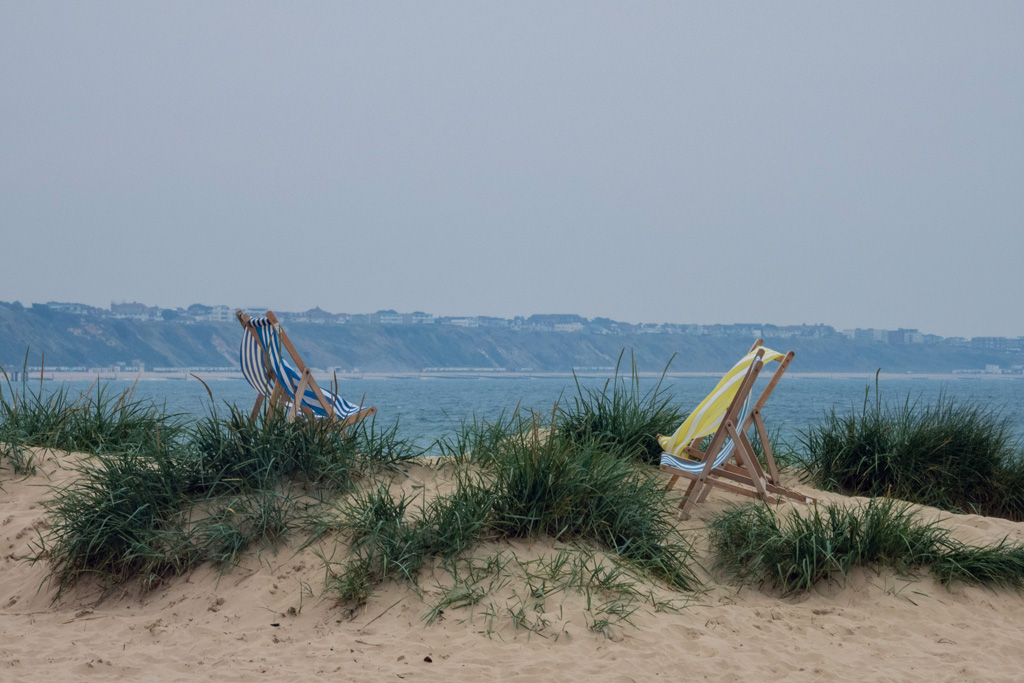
column 276, row 396
column 704, row 494
column 762, row 433
column 790, row 493
column 693, row 491
column 746, row 455
column 256, row 408
column 299, row 393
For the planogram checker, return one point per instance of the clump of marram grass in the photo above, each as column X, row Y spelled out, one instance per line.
column 100, row 421
column 793, row 552
column 956, row 455
column 529, row 483
column 384, row 545
column 238, row 454
column 389, row 543
column 477, row 441
column 623, row 418
column 117, row 521
column 582, row 490
column 153, row 510
column 1001, row 564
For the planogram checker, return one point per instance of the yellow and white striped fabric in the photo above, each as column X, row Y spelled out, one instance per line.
column 706, row 417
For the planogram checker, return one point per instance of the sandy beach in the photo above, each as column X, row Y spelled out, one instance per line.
column 269, row 618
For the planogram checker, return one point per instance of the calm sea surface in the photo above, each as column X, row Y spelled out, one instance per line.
column 426, row 408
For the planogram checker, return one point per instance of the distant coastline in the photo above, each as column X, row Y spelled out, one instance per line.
column 69, row 342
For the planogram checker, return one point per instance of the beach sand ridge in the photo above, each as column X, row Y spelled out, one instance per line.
column 269, row 617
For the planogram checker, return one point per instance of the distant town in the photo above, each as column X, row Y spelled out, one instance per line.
column 555, row 323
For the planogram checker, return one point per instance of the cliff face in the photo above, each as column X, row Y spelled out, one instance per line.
column 71, row 340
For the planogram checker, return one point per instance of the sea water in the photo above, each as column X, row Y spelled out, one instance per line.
column 428, row 408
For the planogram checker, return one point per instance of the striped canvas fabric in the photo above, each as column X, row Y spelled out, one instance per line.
column 251, row 358
column 707, row 416
column 695, row 466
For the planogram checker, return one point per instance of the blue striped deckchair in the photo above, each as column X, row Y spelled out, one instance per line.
column 263, row 365
column 726, row 416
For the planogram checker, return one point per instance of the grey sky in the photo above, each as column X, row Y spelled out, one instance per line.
column 859, row 165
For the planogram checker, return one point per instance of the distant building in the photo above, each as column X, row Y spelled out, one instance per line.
column 547, row 322
column 870, row 335
column 135, row 311
column 386, row 318
column 912, row 336
column 214, row 314
column 74, row 309
column 746, row 330
column 221, row 314
column 989, row 343
column 649, row 328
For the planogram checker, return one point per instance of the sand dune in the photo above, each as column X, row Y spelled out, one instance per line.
column 269, row 618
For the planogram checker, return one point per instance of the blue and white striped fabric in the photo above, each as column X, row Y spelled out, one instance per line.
column 697, row 466
column 251, row 356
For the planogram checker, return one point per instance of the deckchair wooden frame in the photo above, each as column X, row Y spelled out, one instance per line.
column 278, row 397
column 745, row 477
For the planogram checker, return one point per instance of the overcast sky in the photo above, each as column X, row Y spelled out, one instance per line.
column 858, row 165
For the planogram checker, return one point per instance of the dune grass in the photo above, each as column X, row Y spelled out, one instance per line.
column 157, row 508
column 159, row 496
column 794, row 552
column 233, row 453
column 119, row 520
column 622, row 417
column 528, row 481
column 953, row 454
column 571, row 488
column 95, row 421
column 530, row 594
column 477, row 441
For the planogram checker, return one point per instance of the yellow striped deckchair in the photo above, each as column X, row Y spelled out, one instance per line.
column 724, row 415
